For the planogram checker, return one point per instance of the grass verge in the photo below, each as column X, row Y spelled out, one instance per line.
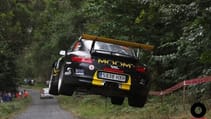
column 9, row 109
column 98, row 107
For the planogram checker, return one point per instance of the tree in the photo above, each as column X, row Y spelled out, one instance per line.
column 181, row 33
column 13, row 37
column 56, row 26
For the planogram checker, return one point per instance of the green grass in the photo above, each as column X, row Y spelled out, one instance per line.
column 9, row 109
column 98, row 107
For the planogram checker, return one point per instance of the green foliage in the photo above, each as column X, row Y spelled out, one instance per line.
column 184, row 39
column 206, row 57
column 13, row 38
column 7, row 79
column 56, row 28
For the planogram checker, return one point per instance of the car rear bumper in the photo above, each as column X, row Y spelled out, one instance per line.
column 97, row 86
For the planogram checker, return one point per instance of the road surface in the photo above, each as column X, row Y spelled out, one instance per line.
column 43, row 109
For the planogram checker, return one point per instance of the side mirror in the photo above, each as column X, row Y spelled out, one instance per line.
column 62, row 52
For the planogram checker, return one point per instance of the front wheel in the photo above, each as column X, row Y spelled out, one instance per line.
column 64, row 88
column 53, row 84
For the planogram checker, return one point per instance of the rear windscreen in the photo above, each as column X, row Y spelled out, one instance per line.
column 108, row 47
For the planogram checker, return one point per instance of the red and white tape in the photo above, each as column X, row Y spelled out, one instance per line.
column 180, row 85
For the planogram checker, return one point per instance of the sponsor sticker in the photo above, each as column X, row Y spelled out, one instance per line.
column 91, row 67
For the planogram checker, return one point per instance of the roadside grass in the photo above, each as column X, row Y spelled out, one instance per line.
column 36, row 86
column 9, row 109
column 98, row 107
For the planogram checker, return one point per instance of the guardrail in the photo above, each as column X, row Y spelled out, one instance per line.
column 195, row 81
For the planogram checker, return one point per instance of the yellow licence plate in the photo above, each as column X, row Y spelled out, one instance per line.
column 112, row 76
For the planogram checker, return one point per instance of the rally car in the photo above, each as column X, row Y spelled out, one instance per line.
column 102, row 66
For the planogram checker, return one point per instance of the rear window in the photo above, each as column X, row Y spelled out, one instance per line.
column 108, row 47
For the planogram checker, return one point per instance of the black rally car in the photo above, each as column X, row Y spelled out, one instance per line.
column 102, row 66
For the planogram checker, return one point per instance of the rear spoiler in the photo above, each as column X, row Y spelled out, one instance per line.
column 118, row 42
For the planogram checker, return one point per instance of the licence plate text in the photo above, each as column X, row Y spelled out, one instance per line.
column 111, row 76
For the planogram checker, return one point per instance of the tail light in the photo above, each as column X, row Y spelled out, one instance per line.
column 81, row 59
column 113, row 70
column 140, row 69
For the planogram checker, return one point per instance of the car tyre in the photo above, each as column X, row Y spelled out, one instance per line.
column 63, row 88
column 138, row 94
column 117, row 100
column 137, row 100
column 53, row 85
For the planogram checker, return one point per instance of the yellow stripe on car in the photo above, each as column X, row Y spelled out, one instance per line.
column 55, row 72
column 97, row 81
column 126, row 86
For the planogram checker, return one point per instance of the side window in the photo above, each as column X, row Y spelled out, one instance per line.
column 77, row 46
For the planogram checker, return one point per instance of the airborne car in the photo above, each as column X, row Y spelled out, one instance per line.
column 102, row 66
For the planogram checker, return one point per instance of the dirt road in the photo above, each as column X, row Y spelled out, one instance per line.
column 43, row 109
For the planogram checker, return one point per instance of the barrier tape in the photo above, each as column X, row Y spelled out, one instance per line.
column 195, row 81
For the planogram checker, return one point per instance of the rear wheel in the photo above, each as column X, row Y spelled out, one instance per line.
column 117, row 100
column 137, row 100
column 139, row 92
column 138, row 96
column 63, row 88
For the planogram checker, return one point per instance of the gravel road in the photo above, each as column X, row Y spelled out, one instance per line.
column 43, row 109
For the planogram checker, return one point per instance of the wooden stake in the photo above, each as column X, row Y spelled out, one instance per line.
column 184, row 96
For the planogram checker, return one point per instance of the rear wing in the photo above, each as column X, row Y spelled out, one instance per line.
column 118, row 42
